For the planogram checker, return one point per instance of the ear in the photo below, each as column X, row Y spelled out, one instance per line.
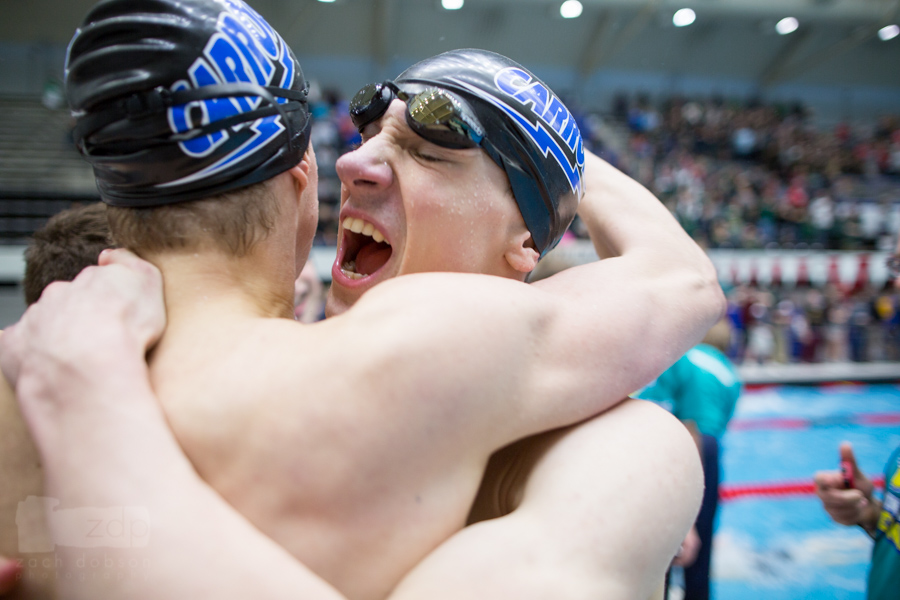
column 300, row 173
column 521, row 254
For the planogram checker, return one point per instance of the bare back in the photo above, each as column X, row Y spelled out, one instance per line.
column 280, row 419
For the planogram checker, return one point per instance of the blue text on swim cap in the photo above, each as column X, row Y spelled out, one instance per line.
column 244, row 49
column 550, row 110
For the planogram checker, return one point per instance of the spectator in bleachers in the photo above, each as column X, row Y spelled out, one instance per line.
column 758, row 175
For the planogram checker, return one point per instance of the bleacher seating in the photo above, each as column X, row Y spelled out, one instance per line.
column 41, row 173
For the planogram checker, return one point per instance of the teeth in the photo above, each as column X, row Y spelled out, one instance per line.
column 349, row 269
column 365, row 228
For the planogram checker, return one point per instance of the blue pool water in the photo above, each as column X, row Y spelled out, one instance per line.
column 786, row 547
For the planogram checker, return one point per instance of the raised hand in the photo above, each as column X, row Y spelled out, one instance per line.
column 853, row 506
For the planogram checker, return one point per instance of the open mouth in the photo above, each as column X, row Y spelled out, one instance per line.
column 365, row 249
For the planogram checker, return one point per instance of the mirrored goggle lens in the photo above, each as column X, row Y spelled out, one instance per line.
column 432, row 113
column 439, row 118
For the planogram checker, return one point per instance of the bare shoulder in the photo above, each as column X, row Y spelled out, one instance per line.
column 634, row 437
column 601, row 509
column 472, row 341
column 456, row 296
column 621, row 490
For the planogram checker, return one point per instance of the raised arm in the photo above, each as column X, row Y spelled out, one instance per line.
column 641, row 308
column 567, row 347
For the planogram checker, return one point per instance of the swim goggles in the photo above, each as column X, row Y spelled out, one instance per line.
column 433, row 113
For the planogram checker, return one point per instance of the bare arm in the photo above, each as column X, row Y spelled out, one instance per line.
column 107, row 451
column 24, row 562
column 640, row 309
column 567, row 347
column 602, row 514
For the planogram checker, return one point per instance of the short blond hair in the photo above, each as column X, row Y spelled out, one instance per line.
column 233, row 222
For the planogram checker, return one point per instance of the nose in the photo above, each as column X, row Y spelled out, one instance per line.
column 365, row 168
column 368, row 167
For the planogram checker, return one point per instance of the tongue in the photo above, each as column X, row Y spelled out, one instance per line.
column 372, row 257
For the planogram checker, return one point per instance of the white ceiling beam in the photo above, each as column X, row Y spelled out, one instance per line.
column 780, row 65
column 605, row 51
column 593, row 48
column 858, row 36
column 382, row 28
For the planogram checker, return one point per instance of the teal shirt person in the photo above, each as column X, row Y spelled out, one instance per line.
column 702, row 386
column 884, row 574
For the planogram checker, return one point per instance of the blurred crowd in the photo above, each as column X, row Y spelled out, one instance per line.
column 752, row 175
column 332, row 135
column 809, row 324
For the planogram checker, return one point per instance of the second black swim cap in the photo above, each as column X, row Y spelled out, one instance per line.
column 539, row 143
column 177, row 100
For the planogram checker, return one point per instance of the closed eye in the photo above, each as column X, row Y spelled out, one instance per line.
column 427, row 157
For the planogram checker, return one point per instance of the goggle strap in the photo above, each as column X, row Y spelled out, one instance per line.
column 154, row 101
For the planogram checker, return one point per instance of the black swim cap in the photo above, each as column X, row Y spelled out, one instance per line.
column 535, row 135
column 177, row 100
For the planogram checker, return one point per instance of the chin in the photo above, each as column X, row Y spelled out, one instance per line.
column 334, row 306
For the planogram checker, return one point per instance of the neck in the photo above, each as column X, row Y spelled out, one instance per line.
column 209, row 283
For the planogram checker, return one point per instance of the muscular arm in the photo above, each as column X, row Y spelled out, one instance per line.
column 602, row 513
column 567, row 347
column 634, row 313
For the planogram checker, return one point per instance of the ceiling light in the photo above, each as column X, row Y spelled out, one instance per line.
column 787, row 25
column 327, row 1
column 684, row 17
column 452, row 4
column 570, row 9
column 889, row 32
